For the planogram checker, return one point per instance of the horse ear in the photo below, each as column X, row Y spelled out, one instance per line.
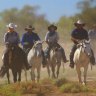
column 34, row 42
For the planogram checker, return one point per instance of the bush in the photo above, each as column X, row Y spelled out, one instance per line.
column 60, row 82
column 73, row 88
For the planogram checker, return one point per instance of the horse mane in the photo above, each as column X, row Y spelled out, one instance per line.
column 37, row 42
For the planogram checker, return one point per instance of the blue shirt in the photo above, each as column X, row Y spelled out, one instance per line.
column 80, row 34
column 29, row 38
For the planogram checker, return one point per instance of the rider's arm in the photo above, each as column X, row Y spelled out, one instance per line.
column 46, row 37
column 86, row 35
column 74, row 39
column 57, row 36
column 23, row 40
column 6, row 39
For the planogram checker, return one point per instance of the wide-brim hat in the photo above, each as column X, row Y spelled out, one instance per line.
column 11, row 25
column 79, row 22
column 52, row 26
column 29, row 27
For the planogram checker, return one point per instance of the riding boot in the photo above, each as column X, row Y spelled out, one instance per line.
column 47, row 52
column 64, row 56
column 43, row 59
column 72, row 56
column 92, row 58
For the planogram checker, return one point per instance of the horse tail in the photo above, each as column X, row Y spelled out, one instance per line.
column 3, row 71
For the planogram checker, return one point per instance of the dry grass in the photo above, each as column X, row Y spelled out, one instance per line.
column 49, row 87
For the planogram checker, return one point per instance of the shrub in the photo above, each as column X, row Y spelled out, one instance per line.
column 60, row 82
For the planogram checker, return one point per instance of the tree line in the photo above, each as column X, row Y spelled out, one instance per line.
column 29, row 15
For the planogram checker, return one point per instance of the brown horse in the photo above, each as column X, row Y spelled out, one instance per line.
column 16, row 62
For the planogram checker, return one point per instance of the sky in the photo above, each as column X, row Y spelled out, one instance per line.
column 53, row 9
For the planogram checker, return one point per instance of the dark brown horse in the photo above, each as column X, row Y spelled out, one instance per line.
column 16, row 60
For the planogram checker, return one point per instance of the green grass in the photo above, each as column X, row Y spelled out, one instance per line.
column 73, row 88
column 46, row 86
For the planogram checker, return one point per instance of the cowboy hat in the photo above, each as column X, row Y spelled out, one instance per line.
column 79, row 22
column 29, row 27
column 52, row 26
column 11, row 25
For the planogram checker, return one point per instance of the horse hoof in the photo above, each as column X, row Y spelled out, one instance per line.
column 83, row 83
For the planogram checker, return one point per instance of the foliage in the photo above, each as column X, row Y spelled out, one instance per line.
column 73, row 88
column 28, row 15
column 88, row 12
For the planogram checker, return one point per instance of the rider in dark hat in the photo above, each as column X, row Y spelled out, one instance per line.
column 79, row 33
column 51, row 39
column 28, row 40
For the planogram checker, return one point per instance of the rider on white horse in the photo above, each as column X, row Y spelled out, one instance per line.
column 28, row 40
column 51, row 39
column 79, row 34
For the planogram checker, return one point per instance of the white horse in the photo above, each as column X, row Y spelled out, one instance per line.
column 82, row 59
column 54, row 61
column 35, row 59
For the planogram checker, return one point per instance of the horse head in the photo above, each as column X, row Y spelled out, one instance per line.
column 38, row 48
column 84, row 46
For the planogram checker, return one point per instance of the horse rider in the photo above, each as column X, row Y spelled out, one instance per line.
column 28, row 40
column 11, row 40
column 92, row 33
column 52, row 39
column 79, row 33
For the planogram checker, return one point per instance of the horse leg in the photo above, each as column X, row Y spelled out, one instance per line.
column 79, row 74
column 38, row 74
column 14, row 75
column 58, row 67
column 85, row 74
column 25, row 74
column 48, row 70
column 53, row 71
column 8, row 76
column 19, row 78
column 32, row 74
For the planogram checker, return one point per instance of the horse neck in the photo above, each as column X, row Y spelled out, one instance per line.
column 37, row 52
column 82, row 52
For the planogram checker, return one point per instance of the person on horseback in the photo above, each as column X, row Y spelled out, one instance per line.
column 11, row 40
column 28, row 40
column 92, row 33
column 79, row 33
column 51, row 39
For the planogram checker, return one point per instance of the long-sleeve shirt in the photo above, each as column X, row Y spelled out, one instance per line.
column 80, row 34
column 29, row 38
column 52, row 37
column 11, row 38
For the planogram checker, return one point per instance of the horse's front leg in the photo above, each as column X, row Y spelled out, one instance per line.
column 85, row 74
column 25, row 74
column 32, row 74
column 38, row 73
column 53, row 70
column 48, row 70
column 14, row 75
column 19, row 78
column 58, row 67
column 79, row 74
column 8, row 76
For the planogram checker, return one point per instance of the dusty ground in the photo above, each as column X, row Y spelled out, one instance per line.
column 68, row 73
